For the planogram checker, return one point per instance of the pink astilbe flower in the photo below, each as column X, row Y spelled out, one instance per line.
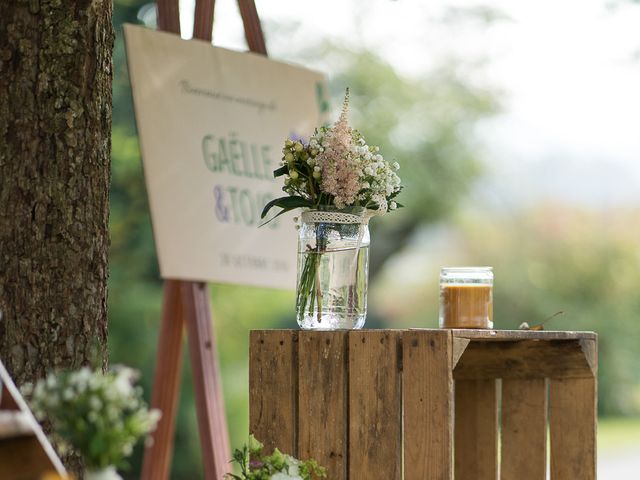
column 340, row 173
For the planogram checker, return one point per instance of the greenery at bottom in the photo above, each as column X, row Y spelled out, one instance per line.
column 254, row 465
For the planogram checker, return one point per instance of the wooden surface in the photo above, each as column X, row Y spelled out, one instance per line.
column 381, row 404
column 166, row 384
column 572, row 428
column 523, row 359
column 207, row 383
column 252, row 28
column 476, row 430
column 273, row 376
column 203, row 20
column 428, row 405
column 524, row 429
column 374, row 405
column 23, row 458
column 510, row 335
column 169, row 16
column 322, row 420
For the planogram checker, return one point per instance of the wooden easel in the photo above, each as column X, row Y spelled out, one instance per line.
column 187, row 303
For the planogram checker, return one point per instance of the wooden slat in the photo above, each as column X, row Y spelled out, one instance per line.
column 252, row 27
column 322, row 419
column 476, row 430
column 500, row 335
column 166, row 384
column 207, row 383
column 572, row 425
column 23, row 458
column 524, row 429
column 273, row 389
column 203, row 20
column 523, row 359
column 169, row 16
column 428, row 405
column 374, row 405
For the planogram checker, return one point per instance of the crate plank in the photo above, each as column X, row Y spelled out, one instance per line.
column 523, row 359
column 476, row 430
column 374, row 405
column 23, row 457
column 322, row 419
column 524, row 429
column 572, row 425
column 428, row 404
column 273, row 389
column 508, row 335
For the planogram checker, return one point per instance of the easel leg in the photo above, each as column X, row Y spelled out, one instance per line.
column 166, row 385
column 212, row 422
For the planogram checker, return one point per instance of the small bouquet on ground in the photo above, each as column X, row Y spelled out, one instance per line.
column 101, row 416
column 254, row 465
column 342, row 181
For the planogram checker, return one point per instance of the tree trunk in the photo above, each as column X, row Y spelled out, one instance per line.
column 55, row 130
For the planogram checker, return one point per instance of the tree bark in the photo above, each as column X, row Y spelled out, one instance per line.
column 55, row 131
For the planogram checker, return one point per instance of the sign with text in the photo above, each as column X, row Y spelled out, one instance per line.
column 212, row 123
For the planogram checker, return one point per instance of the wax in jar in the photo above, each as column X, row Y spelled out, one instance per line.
column 466, row 306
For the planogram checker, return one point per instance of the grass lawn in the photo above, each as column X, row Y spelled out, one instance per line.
column 618, row 432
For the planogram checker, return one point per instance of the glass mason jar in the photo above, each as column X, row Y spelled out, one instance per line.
column 333, row 270
column 466, row 297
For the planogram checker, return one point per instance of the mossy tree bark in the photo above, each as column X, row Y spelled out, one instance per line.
column 55, row 130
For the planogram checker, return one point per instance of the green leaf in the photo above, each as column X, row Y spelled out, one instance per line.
column 286, row 203
column 281, row 171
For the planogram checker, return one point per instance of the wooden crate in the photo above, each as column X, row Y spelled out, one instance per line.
column 428, row 404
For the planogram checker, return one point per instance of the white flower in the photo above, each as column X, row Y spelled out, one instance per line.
column 396, row 166
column 393, row 206
column 27, row 389
column 67, row 394
column 285, row 476
column 95, row 403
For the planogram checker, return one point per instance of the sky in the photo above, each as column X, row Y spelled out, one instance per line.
column 569, row 70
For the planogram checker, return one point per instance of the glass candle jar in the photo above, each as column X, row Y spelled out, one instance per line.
column 466, row 297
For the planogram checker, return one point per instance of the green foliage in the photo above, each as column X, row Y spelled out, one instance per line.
column 254, row 465
column 101, row 416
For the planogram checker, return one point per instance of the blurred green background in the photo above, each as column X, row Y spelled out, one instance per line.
column 548, row 256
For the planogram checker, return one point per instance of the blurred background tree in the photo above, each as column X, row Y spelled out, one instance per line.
column 546, row 259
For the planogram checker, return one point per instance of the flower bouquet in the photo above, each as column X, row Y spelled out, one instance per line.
column 340, row 182
column 101, row 416
column 254, row 465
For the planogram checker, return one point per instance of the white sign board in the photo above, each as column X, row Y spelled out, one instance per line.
column 212, row 123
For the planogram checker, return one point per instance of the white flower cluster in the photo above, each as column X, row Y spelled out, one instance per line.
column 378, row 178
column 90, row 408
column 291, row 471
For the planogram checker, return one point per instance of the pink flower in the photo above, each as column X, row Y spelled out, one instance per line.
column 340, row 172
